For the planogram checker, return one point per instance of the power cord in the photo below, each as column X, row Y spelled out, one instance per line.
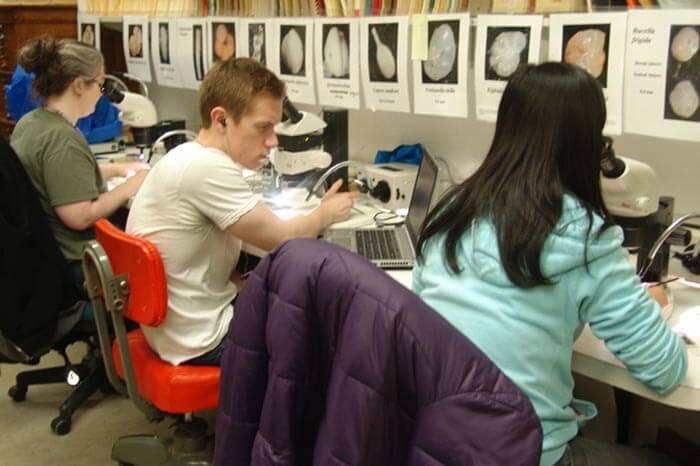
column 387, row 218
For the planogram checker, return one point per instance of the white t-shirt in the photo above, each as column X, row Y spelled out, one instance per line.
column 184, row 207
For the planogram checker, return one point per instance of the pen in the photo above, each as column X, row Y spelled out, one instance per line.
column 653, row 285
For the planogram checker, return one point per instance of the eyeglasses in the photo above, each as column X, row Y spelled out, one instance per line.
column 102, row 85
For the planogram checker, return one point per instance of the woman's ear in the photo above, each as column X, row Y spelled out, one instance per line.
column 78, row 86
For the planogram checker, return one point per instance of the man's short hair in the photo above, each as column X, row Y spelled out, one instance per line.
column 232, row 84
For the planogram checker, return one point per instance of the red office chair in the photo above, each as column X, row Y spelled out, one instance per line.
column 125, row 279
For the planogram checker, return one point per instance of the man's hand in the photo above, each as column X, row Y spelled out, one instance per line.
column 336, row 207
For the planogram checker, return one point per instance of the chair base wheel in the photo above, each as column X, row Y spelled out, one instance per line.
column 148, row 450
column 61, row 425
column 17, row 393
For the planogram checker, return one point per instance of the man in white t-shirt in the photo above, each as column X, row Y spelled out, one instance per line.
column 196, row 208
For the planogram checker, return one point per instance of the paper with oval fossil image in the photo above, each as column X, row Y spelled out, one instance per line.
column 336, row 57
column 163, row 51
column 89, row 30
column 662, row 74
column 191, row 51
column 293, row 60
column 503, row 44
column 222, row 37
column 256, row 39
column 440, row 81
column 596, row 43
column 384, row 63
column 136, row 46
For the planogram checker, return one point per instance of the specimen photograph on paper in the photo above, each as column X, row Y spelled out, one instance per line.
column 197, row 52
column 381, row 52
column 443, row 45
column 256, row 42
column 87, row 33
column 682, row 99
column 292, row 48
column 587, row 45
column 507, row 47
column 223, row 41
column 135, row 41
column 164, row 43
column 336, row 51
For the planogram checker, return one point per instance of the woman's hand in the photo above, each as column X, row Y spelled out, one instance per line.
column 658, row 294
column 127, row 169
column 123, row 169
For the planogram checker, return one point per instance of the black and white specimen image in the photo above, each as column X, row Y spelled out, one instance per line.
column 443, row 47
column 506, row 49
column 336, row 51
column 381, row 52
column 682, row 101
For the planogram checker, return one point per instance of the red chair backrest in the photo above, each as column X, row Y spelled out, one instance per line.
column 140, row 261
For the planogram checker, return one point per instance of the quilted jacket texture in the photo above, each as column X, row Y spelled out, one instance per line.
column 329, row 361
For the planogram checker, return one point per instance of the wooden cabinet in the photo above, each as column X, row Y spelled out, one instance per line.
column 18, row 24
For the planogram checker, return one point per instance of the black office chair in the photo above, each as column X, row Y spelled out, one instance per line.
column 40, row 307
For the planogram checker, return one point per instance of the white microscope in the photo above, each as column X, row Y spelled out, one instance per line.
column 631, row 195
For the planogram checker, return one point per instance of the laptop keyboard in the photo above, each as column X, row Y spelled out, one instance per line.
column 377, row 244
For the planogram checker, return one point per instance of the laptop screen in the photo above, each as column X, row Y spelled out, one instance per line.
column 422, row 195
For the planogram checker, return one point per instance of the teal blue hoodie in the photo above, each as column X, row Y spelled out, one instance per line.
column 529, row 333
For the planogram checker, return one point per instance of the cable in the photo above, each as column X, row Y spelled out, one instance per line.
column 451, row 180
column 387, row 218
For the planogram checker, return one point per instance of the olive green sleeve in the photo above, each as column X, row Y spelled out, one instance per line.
column 71, row 173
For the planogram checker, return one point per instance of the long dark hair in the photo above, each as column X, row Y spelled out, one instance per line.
column 547, row 142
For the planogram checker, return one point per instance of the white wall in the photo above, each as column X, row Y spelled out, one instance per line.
column 463, row 143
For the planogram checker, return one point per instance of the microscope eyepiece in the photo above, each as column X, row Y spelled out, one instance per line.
column 112, row 92
column 610, row 165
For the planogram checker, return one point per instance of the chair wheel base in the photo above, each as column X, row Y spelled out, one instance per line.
column 17, row 393
column 61, row 425
column 150, row 450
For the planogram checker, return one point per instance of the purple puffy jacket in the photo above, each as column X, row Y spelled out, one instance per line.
column 329, row 361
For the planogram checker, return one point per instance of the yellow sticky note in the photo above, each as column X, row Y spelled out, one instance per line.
column 419, row 37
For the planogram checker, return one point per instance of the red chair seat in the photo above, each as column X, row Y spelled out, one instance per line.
column 173, row 389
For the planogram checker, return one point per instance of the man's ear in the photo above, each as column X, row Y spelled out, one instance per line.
column 218, row 117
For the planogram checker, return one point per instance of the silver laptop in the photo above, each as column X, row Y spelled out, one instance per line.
column 394, row 247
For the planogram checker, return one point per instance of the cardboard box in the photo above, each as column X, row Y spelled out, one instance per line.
column 512, row 6
column 553, row 6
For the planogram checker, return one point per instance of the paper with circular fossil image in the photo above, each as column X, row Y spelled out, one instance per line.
column 662, row 74
column 256, row 39
column 384, row 63
column 293, row 61
column 503, row 44
column 596, row 43
column 440, row 81
column 336, row 57
column 135, row 41
column 222, row 37
column 89, row 30
column 191, row 51
column 163, row 51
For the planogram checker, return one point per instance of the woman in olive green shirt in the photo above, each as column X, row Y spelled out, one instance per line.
column 69, row 77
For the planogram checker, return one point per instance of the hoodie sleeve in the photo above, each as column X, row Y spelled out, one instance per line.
column 621, row 313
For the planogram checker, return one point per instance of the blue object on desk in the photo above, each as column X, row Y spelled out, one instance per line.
column 101, row 125
column 405, row 153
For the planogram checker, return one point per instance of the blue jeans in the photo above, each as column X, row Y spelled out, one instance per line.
column 79, row 280
column 210, row 358
column 583, row 451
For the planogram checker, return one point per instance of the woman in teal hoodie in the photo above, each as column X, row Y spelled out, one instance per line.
column 522, row 254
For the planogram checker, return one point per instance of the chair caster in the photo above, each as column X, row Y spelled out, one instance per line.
column 61, row 425
column 17, row 393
